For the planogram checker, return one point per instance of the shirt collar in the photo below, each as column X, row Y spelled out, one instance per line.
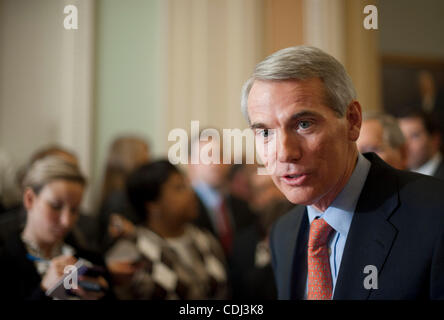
column 340, row 213
column 430, row 166
column 210, row 197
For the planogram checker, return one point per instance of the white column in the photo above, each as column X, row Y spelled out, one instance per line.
column 76, row 108
column 213, row 48
column 324, row 26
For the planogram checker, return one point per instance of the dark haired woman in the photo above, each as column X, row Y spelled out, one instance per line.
column 169, row 258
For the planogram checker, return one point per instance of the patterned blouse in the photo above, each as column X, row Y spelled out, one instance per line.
column 191, row 267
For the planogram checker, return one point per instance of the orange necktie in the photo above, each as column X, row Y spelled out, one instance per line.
column 319, row 276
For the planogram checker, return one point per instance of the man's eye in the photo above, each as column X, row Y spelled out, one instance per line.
column 264, row 133
column 304, row 124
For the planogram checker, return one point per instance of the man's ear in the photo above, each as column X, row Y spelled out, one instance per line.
column 436, row 141
column 354, row 120
column 403, row 150
column 29, row 198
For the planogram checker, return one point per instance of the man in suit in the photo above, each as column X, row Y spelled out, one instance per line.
column 364, row 230
column 380, row 133
column 423, row 143
column 220, row 212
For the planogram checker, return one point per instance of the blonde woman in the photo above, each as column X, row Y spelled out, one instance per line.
column 33, row 260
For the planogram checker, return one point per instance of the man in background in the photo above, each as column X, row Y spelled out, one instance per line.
column 220, row 212
column 380, row 133
column 9, row 189
column 423, row 144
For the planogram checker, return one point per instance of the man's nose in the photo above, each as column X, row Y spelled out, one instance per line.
column 288, row 147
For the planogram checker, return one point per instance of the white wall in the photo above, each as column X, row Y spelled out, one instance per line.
column 129, row 69
column 45, row 78
column 30, row 64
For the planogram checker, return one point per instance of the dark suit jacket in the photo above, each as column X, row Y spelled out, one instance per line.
column 242, row 217
column 398, row 226
column 240, row 212
column 19, row 278
column 250, row 282
column 439, row 173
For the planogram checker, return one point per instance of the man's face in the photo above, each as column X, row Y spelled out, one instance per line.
column 419, row 142
column 213, row 174
column 310, row 152
column 372, row 139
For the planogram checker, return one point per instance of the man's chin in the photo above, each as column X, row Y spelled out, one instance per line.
column 299, row 197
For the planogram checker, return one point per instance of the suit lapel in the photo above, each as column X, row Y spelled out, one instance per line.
column 439, row 172
column 371, row 235
column 299, row 268
column 289, row 241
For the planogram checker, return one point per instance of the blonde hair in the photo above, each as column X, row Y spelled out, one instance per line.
column 48, row 169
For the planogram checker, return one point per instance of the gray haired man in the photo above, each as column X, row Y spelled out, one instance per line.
column 381, row 134
column 353, row 237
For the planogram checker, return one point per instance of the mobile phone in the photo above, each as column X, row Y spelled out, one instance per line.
column 94, row 272
column 90, row 286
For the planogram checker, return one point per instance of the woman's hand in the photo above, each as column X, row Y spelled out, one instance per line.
column 56, row 270
column 91, row 295
column 119, row 226
column 121, row 271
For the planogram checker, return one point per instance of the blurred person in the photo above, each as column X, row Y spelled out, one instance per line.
column 239, row 181
column 55, row 150
column 354, row 211
column 264, row 191
column 191, row 259
column 83, row 233
column 9, row 189
column 380, row 133
column 116, row 218
column 220, row 212
column 423, row 144
column 432, row 100
column 49, row 150
column 33, row 260
column 252, row 273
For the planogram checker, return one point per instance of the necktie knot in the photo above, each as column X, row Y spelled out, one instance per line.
column 319, row 232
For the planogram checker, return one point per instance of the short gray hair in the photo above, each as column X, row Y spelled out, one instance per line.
column 301, row 63
column 392, row 133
